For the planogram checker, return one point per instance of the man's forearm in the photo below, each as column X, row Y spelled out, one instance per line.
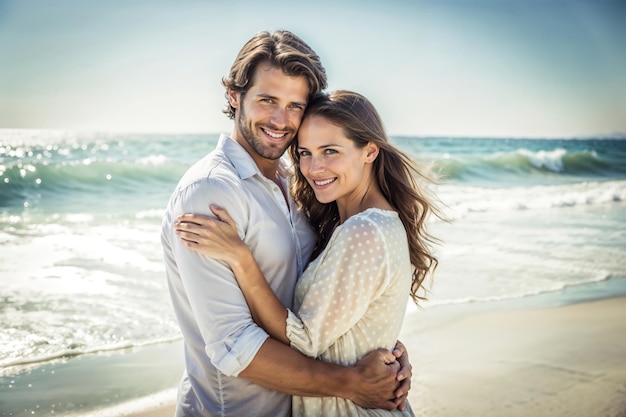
column 370, row 384
column 278, row 367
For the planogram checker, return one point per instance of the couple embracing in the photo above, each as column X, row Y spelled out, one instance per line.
column 290, row 277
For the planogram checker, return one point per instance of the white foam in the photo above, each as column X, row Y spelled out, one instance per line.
column 551, row 160
column 463, row 200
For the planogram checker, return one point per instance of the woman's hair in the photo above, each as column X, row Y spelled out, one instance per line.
column 395, row 172
column 280, row 49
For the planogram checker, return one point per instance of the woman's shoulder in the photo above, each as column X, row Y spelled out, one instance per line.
column 373, row 215
column 371, row 221
column 372, row 231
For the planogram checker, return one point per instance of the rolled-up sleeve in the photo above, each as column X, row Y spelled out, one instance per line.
column 206, row 294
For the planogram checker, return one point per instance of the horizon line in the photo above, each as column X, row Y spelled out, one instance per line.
column 612, row 135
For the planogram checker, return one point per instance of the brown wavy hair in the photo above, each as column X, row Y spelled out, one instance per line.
column 397, row 175
column 281, row 49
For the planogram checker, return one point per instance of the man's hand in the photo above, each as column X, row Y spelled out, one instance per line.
column 404, row 375
column 378, row 372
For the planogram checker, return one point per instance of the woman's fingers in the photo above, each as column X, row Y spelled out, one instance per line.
column 222, row 215
column 209, row 231
column 186, row 228
column 194, row 218
column 203, row 220
column 187, row 236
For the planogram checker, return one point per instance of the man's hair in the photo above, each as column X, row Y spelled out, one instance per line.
column 280, row 49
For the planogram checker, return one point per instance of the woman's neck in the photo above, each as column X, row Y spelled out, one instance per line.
column 371, row 198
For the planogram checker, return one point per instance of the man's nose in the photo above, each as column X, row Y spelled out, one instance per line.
column 279, row 118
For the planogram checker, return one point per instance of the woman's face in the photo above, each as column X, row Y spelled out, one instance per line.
column 334, row 167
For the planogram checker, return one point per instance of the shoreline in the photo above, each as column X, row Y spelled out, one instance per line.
column 546, row 360
column 568, row 360
column 104, row 384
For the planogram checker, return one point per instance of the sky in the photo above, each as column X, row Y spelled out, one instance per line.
column 460, row 68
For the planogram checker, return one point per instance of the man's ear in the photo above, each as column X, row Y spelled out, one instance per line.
column 371, row 152
column 233, row 98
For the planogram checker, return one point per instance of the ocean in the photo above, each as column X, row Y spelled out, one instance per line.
column 81, row 271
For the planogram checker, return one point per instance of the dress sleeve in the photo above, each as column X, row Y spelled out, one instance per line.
column 352, row 272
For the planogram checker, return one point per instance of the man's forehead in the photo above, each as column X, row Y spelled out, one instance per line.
column 273, row 82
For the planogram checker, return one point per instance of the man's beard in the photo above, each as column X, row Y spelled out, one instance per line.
column 266, row 152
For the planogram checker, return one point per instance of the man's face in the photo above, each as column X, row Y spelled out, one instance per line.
column 268, row 115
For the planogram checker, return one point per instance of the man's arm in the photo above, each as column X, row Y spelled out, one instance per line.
column 371, row 383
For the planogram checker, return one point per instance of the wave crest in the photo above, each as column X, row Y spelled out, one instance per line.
column 526, row 162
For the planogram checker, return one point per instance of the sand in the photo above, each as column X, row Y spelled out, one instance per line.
column 562, row 361
column 567, row 361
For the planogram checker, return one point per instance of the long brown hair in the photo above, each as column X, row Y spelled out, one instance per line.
column 281, row 49
column 396, row 173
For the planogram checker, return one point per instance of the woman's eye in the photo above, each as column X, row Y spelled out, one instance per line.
column 304, row 153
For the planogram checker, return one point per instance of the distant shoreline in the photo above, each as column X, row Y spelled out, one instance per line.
column 596, row 136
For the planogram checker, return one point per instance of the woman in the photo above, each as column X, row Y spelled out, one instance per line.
column 361, row 197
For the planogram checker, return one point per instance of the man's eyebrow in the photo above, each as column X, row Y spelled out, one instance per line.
column 266, row 95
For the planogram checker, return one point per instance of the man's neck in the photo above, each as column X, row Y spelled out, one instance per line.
column 268, row 167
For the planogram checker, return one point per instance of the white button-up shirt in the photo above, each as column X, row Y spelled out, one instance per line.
column 220, row 337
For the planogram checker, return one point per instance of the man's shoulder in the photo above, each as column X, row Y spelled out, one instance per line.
column 214, row 168
column 211, row 180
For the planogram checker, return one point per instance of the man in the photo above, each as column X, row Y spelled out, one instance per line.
column 232, row 367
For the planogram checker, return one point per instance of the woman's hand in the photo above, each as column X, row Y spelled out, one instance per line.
column 404, row 375
column 216, row 238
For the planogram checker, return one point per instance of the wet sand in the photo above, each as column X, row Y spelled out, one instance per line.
column 561, row 361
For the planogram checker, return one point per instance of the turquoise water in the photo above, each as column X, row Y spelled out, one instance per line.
column 80, row 261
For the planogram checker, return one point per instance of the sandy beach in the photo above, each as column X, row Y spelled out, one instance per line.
column 560, row 361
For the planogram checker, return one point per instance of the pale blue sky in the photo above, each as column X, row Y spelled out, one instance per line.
column 508, row 68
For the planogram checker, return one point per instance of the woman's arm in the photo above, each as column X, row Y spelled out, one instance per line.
column 267, row 310
column 219, row 239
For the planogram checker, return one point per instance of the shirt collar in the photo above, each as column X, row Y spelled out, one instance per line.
column 238, row 156
column 243, row 162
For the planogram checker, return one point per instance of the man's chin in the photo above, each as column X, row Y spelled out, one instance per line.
column 273, row 153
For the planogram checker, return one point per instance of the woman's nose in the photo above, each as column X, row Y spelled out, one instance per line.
column 316, row 165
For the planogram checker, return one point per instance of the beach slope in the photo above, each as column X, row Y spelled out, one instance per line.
column 562, row 361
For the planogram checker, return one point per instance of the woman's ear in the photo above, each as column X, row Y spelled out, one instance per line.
column 371, row 152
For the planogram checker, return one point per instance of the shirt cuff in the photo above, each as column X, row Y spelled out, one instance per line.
column 239, row 356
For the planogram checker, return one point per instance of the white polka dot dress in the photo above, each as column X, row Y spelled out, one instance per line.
column 351, row 300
